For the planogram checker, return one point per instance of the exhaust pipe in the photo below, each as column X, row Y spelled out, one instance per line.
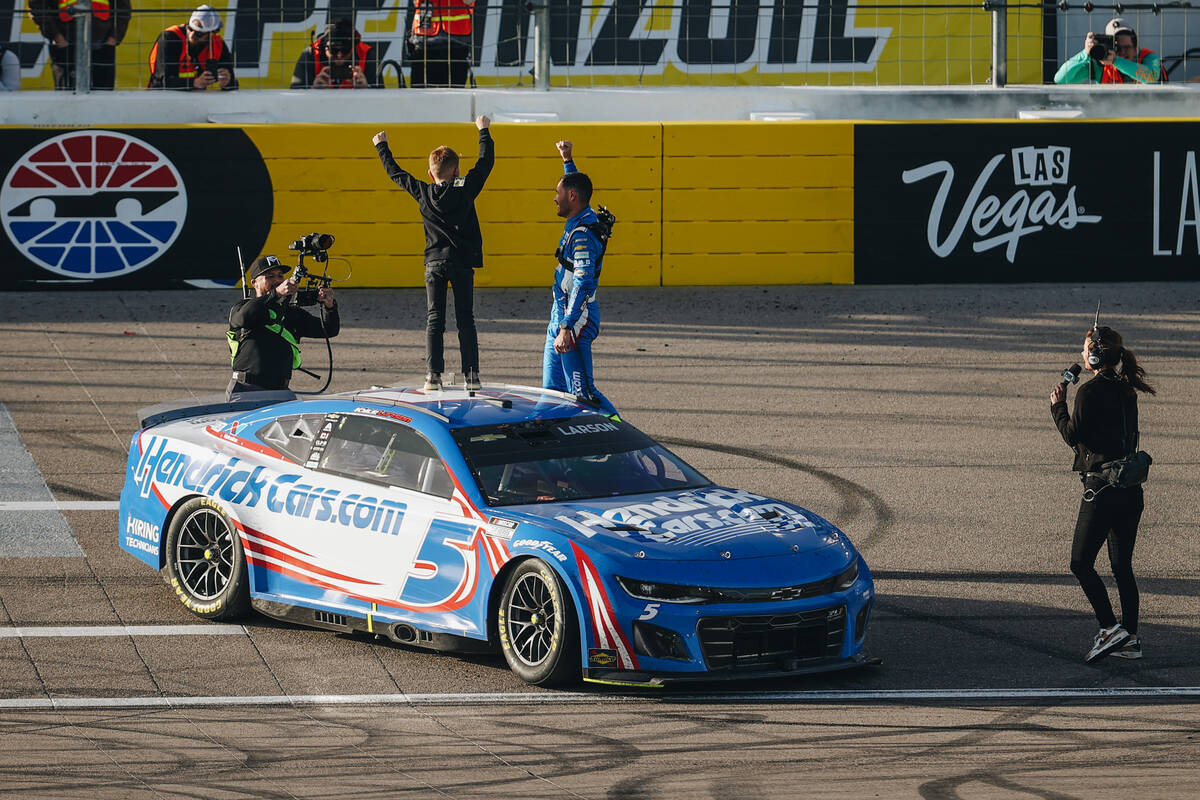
column 402, row 633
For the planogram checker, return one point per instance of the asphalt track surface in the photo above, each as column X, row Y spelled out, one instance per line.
column 916, row 418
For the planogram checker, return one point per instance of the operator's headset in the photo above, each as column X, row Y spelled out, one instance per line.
column 1098, row 355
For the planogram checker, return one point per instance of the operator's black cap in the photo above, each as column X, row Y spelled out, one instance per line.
column 340, row 35
column 265, row 263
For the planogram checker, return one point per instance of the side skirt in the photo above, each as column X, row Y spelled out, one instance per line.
column 399, row 632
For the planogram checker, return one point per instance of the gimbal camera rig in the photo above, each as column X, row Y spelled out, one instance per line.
column 316, row 245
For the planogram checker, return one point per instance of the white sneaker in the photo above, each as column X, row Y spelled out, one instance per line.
column 1131, row 649
column 1106, row 641
column 471, row 382
column 433, row 382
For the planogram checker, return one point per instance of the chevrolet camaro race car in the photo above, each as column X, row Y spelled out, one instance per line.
column 511, row 517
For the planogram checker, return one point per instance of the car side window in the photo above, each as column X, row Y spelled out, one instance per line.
column 293, row 436
column 381, row 451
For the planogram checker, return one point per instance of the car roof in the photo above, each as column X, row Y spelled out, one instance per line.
column 494, row 404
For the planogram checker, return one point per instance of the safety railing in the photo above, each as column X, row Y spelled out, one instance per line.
column 604, row 43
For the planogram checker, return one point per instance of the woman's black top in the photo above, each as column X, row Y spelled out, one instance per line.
column 1095, row 429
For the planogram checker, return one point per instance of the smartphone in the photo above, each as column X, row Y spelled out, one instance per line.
column 337, row 74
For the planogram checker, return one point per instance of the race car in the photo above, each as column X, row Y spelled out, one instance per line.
column 509, row 517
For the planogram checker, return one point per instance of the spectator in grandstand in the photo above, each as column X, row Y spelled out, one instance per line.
column 110, row 20
column 1116, row 59
column 10, row 70
column 338, row 59
column 439, row 48
column 192, row 56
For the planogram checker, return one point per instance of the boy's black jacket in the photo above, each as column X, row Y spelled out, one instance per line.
column 448, row 209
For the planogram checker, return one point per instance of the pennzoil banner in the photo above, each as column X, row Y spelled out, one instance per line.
column 1001, row 202
column 607, row 42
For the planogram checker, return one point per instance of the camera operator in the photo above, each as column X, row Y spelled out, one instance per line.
column 265, row 330
column 1112, row 57
column 338, row 59
column 1104, row 428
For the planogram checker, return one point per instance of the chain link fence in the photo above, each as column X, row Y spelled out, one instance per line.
column 619, row 43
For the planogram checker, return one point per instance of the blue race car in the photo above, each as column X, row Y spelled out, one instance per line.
column 513, row 516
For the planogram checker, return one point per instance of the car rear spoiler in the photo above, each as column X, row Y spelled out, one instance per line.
column 209, row 404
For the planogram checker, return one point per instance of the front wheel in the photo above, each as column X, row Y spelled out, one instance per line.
column 205, row 564
column 536, row 622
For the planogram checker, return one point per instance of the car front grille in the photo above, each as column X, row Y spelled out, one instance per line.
column 771, row 641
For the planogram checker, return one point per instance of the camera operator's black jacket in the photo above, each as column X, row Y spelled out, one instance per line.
column 264, row 355
column 306, row 67
column 1095, row 429
column 448, row 209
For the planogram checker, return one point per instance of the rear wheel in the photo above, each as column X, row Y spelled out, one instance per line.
column 205, row 564
column 539, row 634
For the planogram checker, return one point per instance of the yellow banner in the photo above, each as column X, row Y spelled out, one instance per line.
column 744, row 42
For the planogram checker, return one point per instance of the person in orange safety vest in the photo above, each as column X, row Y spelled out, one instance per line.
column 192, row 56
column 110, row 20
column 338, row 59
column 1117, row 60
column 440, row 49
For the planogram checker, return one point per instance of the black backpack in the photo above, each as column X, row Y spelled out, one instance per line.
column 601, row 229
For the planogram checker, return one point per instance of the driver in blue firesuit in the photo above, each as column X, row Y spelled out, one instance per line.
column 575, row 315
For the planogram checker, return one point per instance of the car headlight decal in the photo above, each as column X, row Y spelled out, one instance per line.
column 664, row 592
column 846, row 578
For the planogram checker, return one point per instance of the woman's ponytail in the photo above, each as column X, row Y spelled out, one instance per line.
column 1133, row 372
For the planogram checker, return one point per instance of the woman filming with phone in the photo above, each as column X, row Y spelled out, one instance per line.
column 1103, row 430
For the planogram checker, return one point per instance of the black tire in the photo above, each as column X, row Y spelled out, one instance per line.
column 205, row 564
column 537, row 628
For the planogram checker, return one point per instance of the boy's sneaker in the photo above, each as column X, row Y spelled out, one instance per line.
column 471, row 382
column 433, row 382
column 1131, row 649
column 1107, row 640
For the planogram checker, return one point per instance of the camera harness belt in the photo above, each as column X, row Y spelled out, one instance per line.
column 1090, row 495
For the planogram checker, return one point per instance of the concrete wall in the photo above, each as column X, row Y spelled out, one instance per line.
column 1175, row 100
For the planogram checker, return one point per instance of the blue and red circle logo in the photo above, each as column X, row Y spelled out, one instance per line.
column 93, row 204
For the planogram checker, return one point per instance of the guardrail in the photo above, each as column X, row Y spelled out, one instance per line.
column 636, row 43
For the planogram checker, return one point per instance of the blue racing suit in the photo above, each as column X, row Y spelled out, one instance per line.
column 575, row 307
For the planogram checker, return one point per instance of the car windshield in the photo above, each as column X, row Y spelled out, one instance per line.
column 582, row 457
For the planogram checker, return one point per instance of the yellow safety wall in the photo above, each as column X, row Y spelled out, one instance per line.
column 697, row 203
column 329, row 178
column 758, row 202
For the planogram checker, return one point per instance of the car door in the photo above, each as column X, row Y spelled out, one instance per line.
column 397, row 531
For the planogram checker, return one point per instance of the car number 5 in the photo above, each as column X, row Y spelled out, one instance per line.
column 651, row 611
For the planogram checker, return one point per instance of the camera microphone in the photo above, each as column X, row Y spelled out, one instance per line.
column 1071, row 375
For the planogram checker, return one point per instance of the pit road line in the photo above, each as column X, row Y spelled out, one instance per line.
column 53, row 631
column 59, row 505
column 564, row 698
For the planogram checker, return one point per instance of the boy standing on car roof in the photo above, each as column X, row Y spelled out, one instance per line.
column 265, row 330
column 453, row 246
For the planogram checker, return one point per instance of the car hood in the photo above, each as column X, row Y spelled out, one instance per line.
column 712, row 524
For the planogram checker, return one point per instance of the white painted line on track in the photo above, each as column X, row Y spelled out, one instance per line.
column 50, row 631
column 59, row 505
column 563, row 698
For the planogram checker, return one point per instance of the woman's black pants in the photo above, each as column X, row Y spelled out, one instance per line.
column 1112, row 516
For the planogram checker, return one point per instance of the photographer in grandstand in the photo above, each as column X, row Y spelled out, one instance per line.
column 338, row 59
column 1112, row 57
column 265, row 330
